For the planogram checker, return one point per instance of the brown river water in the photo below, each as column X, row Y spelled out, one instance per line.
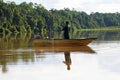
column 101, row 61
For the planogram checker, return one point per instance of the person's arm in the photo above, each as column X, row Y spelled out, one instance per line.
column 63, row 28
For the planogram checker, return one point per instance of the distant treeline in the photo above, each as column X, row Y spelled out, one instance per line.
column 34, row 18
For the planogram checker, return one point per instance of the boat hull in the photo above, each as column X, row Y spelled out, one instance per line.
column 64, row 49
column 62, row 42
column 63, row 45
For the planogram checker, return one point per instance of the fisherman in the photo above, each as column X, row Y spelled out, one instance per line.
column 66, row 30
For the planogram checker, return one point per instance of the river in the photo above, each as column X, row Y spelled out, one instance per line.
column 20, row 61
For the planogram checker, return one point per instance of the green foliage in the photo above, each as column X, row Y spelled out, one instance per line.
column 34, row 18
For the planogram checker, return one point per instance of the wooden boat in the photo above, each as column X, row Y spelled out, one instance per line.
column 62, row 45
column 63, row 49
column 62, row 42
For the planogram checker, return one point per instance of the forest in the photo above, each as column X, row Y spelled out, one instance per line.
column 35, row 18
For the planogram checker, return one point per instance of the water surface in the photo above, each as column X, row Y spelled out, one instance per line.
column 20, row 61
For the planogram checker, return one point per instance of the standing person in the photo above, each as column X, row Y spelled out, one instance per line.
column 66, row 30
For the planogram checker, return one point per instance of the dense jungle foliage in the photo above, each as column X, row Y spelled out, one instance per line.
column 34, row 18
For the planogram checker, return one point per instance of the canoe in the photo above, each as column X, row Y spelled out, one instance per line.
column 63, row 45
column 85, row 49
column 62, row 42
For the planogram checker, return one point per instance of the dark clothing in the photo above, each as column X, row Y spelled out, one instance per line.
column 66, row 30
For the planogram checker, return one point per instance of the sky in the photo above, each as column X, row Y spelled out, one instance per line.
column 88, row 6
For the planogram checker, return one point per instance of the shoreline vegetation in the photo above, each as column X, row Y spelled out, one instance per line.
column 36, row 19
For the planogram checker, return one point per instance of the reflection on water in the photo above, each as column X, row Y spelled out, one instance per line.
column 13, row 57
column 41, row 47
column 17, row 49
column 19, row 57
column 15, row 41
column 67, row 60
column 101, row 35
